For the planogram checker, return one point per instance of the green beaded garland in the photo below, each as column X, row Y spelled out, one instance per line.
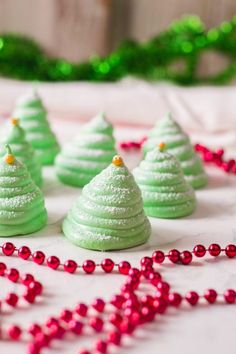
column 185, row 41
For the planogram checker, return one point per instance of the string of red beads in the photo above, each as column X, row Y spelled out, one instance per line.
column 209, row 156
column 126, row 310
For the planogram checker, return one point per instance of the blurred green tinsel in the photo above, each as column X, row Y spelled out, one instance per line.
column 185, row 41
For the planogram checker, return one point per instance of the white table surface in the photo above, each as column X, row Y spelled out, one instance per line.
column 187, row 331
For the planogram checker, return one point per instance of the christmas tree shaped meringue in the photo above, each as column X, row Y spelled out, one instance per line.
column 109, row 213
column 22, row 149
column 179, row 145
column 165, row 192
column 33, row 117
column 88, row 154
column 22, row 208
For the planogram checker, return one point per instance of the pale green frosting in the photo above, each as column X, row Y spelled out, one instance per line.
column 33, row 117
column 88, row 154
column 165, row 192
column 109, row 214
column 179, row 145
column 22, row 208
column 14, row 135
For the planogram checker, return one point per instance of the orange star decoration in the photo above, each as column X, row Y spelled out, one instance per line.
column 117, row 160
column 161, row 146
column 14, row 121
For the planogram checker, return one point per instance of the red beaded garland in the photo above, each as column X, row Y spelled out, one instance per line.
column 133, row 309
column 208, row 156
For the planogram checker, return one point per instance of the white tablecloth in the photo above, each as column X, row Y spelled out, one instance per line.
column 205, row 330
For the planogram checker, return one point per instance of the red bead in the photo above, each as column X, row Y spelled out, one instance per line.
column 81, row 309
column 12, row 274
column 134, row 272
column 163, row 287
column 114, row 337
column 147, row 300
column 2, row 268
column 174, row 299
column 230, row 296
column 96, row 323
column 126, row 327
column 29, row 296
column 33, row 348
column 89, row 266
column 11, row 299
column 70, row 266
column 159, row 305
column 53, row 262
column 192, row 298
column 124, row 267
column 51, row 321
column 158, row 257
column 42, row 339
column 174, row 256
column 36, row 287
column 34, row 329
column 115, row 318
column 57, row 331
column 66, row 315
column 101, row 346
column 210, row 295
column 14, row 332
column 147, row 314
column 26, row 279
column 186, row 257
column 154, row 278
column 107, row 265
column 76, row 327
column 146, row 261
column 98, row 304
column 24, row 252
column 84, row 351
column 230, row 251
column 199, row 251
column 38, row 257
column 214, row 249
column 8, row 248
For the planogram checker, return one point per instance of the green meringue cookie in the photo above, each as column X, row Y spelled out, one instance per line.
column 109, row 213
column 33, row 117
column 178, row 144
column 22, row 209
column 88, row 154
column 165, row 192
column 14, row 135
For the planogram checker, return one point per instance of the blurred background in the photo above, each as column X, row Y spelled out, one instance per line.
column 77, row 29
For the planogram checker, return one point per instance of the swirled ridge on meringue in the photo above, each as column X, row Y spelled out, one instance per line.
column 109, row 214
column 165, row 192
column 22, row 150
column 178, row 144
column 88, row 154
column 22, row 208
column 33, row 117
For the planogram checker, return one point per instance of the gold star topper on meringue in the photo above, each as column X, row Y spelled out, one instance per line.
column 161, row 146
column 9, row 157
column 117, row 160
column 14, row 121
